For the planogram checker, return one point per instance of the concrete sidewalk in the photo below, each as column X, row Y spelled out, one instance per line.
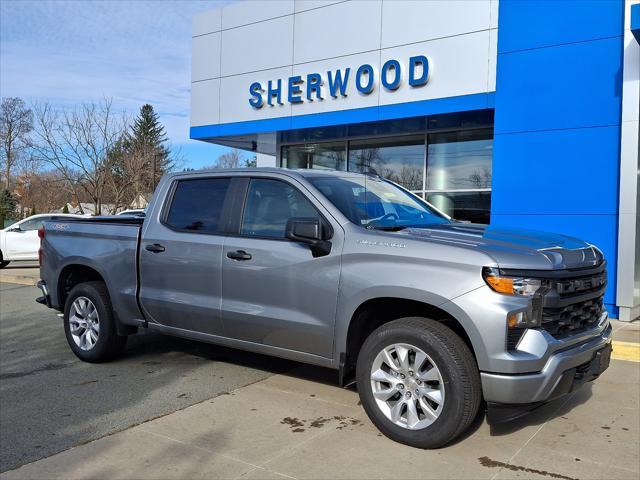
column 300, row 425
column 22, row 273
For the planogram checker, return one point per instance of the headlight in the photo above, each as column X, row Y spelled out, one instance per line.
column 525, row 287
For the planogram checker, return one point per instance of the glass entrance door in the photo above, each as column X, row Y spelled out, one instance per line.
column 458, row 175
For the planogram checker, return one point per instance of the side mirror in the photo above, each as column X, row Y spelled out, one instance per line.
column 15, row 229
column 310, row 232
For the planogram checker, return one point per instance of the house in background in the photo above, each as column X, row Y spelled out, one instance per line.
column 141, row 201
column 89, row 208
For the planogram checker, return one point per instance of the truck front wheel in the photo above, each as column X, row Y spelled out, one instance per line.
column 89, row 324
column 418, row 382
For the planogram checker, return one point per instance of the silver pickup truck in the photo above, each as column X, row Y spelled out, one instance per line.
column 432, row 318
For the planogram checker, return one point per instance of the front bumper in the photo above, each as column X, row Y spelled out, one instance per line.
column 564, row 371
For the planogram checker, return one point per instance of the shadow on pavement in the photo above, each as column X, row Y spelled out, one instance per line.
column 544, row 413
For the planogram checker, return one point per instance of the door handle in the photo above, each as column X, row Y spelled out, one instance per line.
column 239, row 255
column 155, row 248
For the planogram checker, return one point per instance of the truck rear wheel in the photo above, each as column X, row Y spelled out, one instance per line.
column 3, row 262
column 418, row 382
column 89, row 324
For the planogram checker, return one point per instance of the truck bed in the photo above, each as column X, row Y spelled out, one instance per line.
column 106, row 245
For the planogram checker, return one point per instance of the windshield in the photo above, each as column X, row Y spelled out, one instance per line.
column 375, row 203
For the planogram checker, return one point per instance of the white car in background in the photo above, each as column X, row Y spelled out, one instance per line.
column 20, row 241
column 133, row 212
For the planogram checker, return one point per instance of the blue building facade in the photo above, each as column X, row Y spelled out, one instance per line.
column 558, row 112
column 527, row 114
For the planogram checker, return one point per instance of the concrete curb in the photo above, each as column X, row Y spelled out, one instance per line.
column 20, row 280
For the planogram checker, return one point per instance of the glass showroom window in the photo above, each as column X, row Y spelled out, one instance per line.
column 325, row 156
column 399, row 159
column 458, row 179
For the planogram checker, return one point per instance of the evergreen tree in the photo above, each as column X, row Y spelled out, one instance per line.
column 147, row 129
column 65, row 209
column 251, row 162
column 8, row 205
column 148, row 139
column 33, row 210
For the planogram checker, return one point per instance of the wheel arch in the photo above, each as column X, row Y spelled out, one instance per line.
column 75, row 273
column 376, row 311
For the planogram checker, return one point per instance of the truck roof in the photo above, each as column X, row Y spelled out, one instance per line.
column 301, row 172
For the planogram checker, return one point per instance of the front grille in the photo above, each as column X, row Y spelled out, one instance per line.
column 569, row 301
column 573, row 301
column 573, row 318
column 580, row 285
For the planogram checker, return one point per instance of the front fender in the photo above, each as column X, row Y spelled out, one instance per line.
column 348, row 306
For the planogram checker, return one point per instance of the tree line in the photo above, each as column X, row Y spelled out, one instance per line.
column 87, row 154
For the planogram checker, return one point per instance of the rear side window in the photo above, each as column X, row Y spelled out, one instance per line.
column 198, row 205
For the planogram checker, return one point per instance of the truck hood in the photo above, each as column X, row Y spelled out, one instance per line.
column 512, row 248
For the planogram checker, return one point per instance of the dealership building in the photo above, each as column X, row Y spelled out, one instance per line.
column 513, row 113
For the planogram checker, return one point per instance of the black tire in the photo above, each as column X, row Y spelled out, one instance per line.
column 3, row 263
column 109, row 344
column 457, row 366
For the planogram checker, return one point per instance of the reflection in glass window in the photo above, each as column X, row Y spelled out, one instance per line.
column 473, row 207
column 372, row 202
column 323, row 156
column 270, row 204
column 197, row 204
column 399, row 159
column 459, row 160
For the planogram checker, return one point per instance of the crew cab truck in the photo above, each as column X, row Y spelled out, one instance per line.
column 429, row 316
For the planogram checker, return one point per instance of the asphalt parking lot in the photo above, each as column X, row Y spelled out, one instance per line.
column 51, row 401
column 177, row 409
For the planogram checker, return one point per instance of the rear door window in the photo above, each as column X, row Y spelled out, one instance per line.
column 198, row 205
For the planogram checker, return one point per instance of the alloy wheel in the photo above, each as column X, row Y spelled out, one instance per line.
column 407, row 386
column 84, row 323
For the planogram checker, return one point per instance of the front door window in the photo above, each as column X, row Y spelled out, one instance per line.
column 269, row 205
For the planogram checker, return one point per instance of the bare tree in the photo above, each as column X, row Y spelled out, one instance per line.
column 45, row 191
column 409, row 177
column 26, row 168
column 78, row 143
column 368, row 159
column 16, row 121
column 129, row 177
column 480, row 179
column 230, row 159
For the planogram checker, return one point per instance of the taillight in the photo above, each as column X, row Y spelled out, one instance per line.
column 41, row 237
